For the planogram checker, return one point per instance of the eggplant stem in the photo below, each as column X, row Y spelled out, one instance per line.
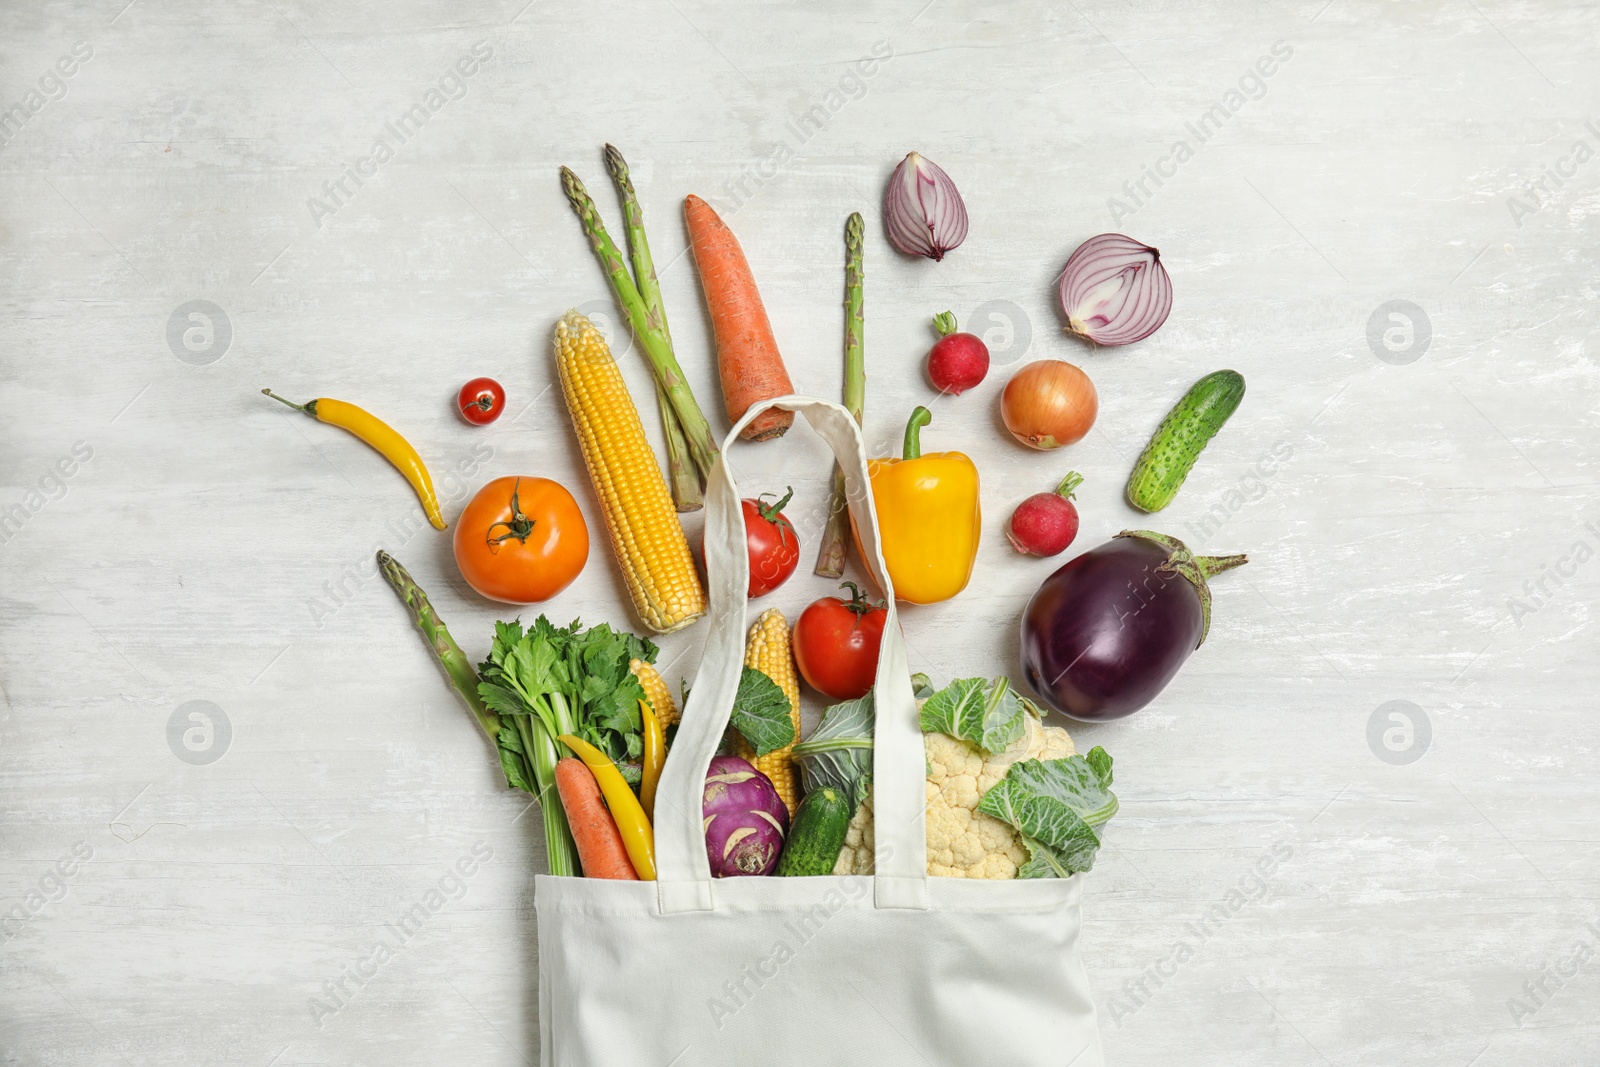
column 1214, row 565
column 1194, row 569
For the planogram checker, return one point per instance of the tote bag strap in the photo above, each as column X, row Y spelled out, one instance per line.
column 898, row 763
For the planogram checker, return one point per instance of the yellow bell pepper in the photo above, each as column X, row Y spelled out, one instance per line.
column 929, row 517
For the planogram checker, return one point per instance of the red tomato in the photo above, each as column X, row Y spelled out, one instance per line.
column 521, row 540
column 836, row 644
column 774, row 548
column 481, row 401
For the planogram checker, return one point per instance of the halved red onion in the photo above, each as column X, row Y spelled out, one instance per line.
column 1114, row 290
column 924, row 211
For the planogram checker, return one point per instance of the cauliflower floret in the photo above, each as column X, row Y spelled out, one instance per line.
column 961, row 842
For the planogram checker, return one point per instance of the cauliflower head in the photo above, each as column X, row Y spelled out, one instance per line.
column 961, row 842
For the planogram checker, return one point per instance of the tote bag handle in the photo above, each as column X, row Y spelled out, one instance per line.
column 898, row 763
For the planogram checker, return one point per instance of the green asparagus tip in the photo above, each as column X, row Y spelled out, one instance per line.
column 616, row 164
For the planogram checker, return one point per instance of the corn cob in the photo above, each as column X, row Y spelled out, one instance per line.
column 645, row 533
column 656, row 692
column 768, row 651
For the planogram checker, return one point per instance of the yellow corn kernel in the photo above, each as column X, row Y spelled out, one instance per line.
column 656, row 691
column 643, row 523
column 768, row 651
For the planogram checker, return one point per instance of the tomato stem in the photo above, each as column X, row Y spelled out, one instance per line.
column 859, row 602
column 771, row 512
column 519, row 527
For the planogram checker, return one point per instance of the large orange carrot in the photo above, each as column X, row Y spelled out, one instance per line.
column 747, row 354
column 600, row 847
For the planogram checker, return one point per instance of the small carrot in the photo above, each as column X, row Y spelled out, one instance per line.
column 747, row 354
column 600, row 848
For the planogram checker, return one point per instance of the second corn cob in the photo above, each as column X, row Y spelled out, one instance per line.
column 639, row 514
column 656, row 691
column 769, row 652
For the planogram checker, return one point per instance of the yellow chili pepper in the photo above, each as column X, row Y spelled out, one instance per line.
column 382, row 437
column 637, row 836
column 929, row 517
column 655, row 757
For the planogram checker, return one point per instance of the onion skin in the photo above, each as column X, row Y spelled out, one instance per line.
column 1114, row 290
column 1049, row 403
column 745, row 819
column 1108, row 630
column 922, row 209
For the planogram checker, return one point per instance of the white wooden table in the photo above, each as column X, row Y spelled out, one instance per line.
column 182, row 539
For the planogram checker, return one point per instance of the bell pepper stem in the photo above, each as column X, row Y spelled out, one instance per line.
column 913, row 443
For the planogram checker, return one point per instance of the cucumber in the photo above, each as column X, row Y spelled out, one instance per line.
column 1181, row 437
column 816, row 835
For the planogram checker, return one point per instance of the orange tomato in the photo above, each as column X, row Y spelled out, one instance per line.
column 521, row 540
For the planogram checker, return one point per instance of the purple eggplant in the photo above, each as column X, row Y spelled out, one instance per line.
column 1107, row 632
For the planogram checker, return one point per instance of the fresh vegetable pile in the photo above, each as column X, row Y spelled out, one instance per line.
column 579, row 717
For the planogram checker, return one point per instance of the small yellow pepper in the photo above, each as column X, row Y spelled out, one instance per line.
column 383, row 438
column 929, row 517
column 655, row 757
column 637, row 836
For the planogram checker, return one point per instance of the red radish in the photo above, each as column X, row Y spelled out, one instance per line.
column 957, row 361
column 1045, row 523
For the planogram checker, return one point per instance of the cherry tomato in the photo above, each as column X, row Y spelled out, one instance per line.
column 521, row 540
column 774, row 548
column 836, row 644
column 481, row 401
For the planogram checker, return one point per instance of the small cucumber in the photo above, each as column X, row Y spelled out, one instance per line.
column 816, row 835
column 1181, row 437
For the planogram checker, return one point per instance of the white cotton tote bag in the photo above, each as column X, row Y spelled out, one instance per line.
column 896, row 968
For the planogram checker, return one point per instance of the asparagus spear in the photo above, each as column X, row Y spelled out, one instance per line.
column 682, row 476
column 527, row 751
column 657, row 346
column 685, row 482
column 830, row 558
column 446, row 652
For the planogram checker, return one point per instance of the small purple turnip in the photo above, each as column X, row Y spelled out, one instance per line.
column 745, row 820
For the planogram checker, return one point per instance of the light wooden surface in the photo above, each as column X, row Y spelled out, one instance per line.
column 214, row 547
